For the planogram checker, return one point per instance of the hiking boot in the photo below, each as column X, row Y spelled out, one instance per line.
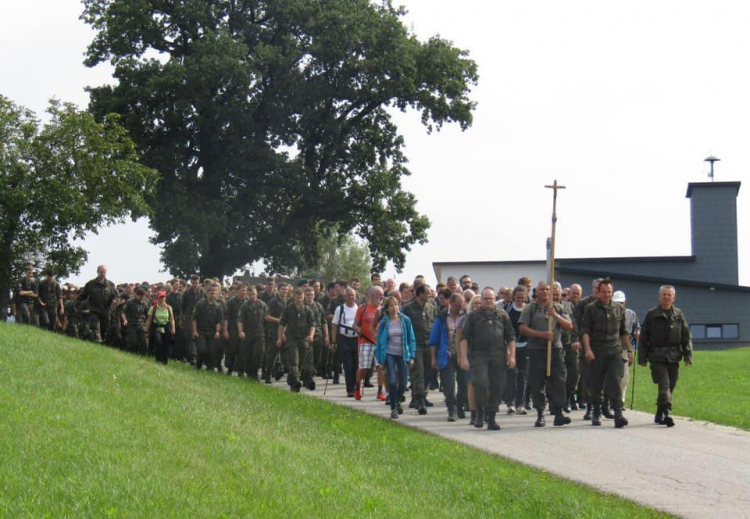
column 668, row 420
column 413, row 403
column 349, row 394
column 296, row 386
column 479, row 420
column 473, row 417
column 540, row 418
column 452, row 414
column 460, row 413
column 659, row 416
column 492, row 425
column 368, row 383
column 335, row 379
column 399, row 409
column 311, row 385
column 394, row 414
column 587, row 416
column 388, row 400
column 596, row 418
column 620, row 421
column 573, row 406
column 427, row 403
column 606, row 413
column 560, row 419
column 421, row 409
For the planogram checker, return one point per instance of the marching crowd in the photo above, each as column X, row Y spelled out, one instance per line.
column 542, row 348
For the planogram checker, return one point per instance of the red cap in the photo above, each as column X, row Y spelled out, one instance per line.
column 161, row 293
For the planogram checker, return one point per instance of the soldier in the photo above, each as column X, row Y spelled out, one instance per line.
column 251, row 330
column 27, row 293
column 174, row 300
column 665, row 340
column 100, row 293
column 604, row 334
column 297, row 330
column 50, row 300
column 571, row 352
column 190, row 298
column 275, row 309
column 534, row 324
column 134, row 317
column 422, row 314
column 488, row 348
column 320, row 340
column 70, row 325
column 269, row 292
column 231, row 331
column 206, row 329
column 583, row 363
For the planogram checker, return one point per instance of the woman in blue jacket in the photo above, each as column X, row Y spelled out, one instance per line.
column 395, row 348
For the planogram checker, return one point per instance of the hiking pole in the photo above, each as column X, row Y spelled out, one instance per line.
column 551, row 322
column 328, row 370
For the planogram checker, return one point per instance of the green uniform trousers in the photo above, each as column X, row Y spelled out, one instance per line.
column 488, row 374
column 538, row 381
column 299, row 359
column 606, row 372
column 665, row 375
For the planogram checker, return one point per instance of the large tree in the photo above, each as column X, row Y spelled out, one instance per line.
column 59, row 181
column 270, row 121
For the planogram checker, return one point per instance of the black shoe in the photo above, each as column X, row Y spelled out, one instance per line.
column 311, row 385
column 587, row 416
column 606, row 413
column 573, row 406
column 492, row 425
column 620, row 421
column 452, row 414
column 565, row 409
column 402, row 399
column 296, row 386
column 335, row 380
column 527, row 406
column 198, row 366
column 427, row 403
column 596, row 418
column 460, row 413
column 278, row 375
column 368, row 383
column 388, row 400
column 668, row 420
column 413, row 403
column 399, row 409
column 659, row 416
column 540, row 418
column 561, row 419
column 421, row 409
column 473, row 417
column 349, row 394
column 267, row 378
column 479, row 420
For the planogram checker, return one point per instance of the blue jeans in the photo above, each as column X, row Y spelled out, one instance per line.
column 396, row 386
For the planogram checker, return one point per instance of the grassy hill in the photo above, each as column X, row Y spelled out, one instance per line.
column 90, row 431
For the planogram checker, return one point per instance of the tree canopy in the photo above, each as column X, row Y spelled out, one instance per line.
column 270, row 121
column 59, row 181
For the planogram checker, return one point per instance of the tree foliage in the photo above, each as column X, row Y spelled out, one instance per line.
column 59, row 181
column 339, row 257
column 270, row 122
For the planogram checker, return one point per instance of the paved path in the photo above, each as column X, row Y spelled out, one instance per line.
column 695, row 469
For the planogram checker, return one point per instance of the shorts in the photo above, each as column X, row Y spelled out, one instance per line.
column 366, row 356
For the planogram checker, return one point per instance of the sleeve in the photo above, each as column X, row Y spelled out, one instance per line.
column 525, row 316
column 283, row 318
column 643, row 342
column 624, row 324
column 585, row 327
column 435, row 333
column 336, row 315
column 687, row 340
column 510, row 334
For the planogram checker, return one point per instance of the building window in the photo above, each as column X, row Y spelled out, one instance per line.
column 715, row 331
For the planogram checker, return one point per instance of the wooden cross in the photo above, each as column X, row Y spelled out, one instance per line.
column 554, row 187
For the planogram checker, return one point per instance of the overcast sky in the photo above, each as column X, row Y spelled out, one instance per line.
column 618, row 101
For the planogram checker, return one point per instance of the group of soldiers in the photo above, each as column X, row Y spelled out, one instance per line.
column 543, row 347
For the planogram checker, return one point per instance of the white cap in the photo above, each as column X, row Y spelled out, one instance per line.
column 618, row 297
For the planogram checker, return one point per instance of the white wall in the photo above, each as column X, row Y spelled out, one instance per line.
column 493, row 275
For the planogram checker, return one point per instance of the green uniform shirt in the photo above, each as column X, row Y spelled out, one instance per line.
column 486, row 330
column 665, row 336
column 319, row 317
column 99, row 295
column 27, row 285
column 207, row 315
column 233, row 311
column 252, row 316
column 566, row 337
column 422, row 317
column 534, row 316
column 136, row 312
column 298, row 320
column 50, row 292
column 604, row 324
column 189, row 299
column 275, row 309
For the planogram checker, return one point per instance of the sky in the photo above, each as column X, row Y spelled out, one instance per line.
column 620, row 102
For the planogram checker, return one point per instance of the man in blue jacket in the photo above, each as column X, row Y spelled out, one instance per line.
column 443, row 346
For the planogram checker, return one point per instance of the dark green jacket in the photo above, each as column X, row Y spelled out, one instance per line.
column 422, row 317
column 486, row 330
column 252, row 316
column 298, row 320
column 665, row 337
column 604, row 324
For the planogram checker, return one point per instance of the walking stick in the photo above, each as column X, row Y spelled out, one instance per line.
column 632, row 390
column 328, row 371
column 550, row 321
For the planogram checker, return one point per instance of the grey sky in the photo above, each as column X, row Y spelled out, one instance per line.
column 620, row 102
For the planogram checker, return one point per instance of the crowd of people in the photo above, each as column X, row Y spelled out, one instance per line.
column 546, row 348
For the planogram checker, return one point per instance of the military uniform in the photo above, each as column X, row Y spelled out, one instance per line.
column 208, row 317
column 605, row 324
column 571, row 355
column 275, row 309
column 535, row 317
column 190, row 298
column 320, row 322
column 487, row 333
column 136, row 314
column 233, row 345
column 252, row 316
column 26, row 309
column 583, row 363
column 422, row 317
column 100, row 295
column 665, row 340
column 50, row 293
column 298, row 321
column 72, row 317
column 174, row 300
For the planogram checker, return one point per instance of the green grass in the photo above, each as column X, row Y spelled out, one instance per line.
column 716, row 388
column 88, row 431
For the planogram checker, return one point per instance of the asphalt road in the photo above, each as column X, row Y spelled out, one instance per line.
column 695, row 469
